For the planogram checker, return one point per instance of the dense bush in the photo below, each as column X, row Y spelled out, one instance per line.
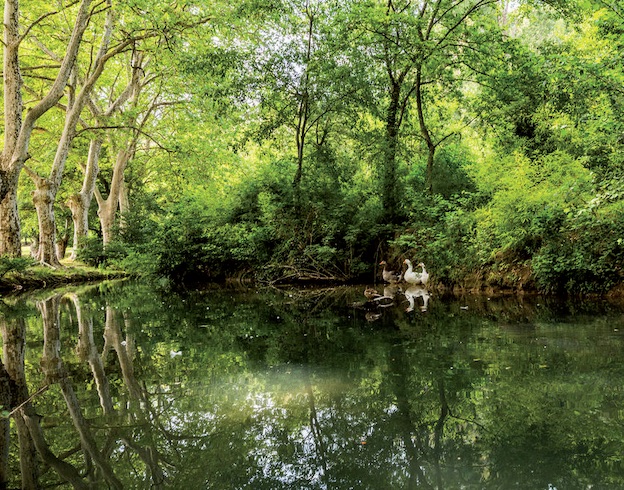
column 92, row 251
column 587, row 254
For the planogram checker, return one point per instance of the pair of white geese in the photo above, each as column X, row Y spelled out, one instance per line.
column 410, row 275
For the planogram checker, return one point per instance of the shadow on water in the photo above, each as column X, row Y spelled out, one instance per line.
column 122, row 386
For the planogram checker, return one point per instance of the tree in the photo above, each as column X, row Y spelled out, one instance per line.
column 143, row 106
column 47, row 188
column 416, row 46
column 299, row 77
column 18, row 131
column 80, row 202
column 135, row 120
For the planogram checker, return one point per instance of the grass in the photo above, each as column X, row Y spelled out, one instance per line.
column 37, row 276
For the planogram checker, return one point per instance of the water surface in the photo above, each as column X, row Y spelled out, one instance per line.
column 122, row 386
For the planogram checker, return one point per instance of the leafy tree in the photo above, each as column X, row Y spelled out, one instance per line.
column 419, row 48
column 18, row 131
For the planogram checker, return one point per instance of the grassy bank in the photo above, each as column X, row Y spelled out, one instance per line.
column 38, row 276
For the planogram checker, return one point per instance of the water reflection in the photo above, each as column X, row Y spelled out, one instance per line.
column 417, row 293
column 121, row 386
column 392, row 295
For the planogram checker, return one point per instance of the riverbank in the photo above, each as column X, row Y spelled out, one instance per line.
column 491, row 283
column 40, row 276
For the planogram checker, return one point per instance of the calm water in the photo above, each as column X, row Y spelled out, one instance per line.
column 121, row 386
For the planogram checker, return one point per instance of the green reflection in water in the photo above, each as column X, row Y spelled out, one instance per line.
column 122, row 386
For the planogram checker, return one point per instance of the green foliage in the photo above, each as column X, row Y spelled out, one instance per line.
column 587, row 255
column 526, row 127
column 92, row 252
column 14, row 264
column 530, row 200
column 441, row 234
column 192, row 243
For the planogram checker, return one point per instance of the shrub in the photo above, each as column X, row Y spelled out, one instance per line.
column 587, row 253
column 92, row 251
column 14, row 264
column 529, row 204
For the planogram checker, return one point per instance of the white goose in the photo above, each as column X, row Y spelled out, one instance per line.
column 414, row 277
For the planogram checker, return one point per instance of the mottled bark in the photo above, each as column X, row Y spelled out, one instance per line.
column 43, row 199
column 12, row 85
column 10, row 235
column 34, row 247
column 107, row 208
column 79, row 203
column 10, row 239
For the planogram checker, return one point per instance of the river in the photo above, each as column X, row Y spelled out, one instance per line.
column 122, row 385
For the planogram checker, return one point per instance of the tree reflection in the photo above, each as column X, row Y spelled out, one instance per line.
column 55, row 372
column 297, row 390
column 15, row 396
column 87, row 351
column 33, row 444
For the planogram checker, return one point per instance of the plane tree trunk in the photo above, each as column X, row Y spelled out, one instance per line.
column 80, row 202
column 10, row 236
column 43, row 199
column 107, row 208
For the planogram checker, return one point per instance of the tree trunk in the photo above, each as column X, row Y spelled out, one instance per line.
column 389, row 177
column 303, row 113
column 34, row 247
column 10, row 238
column 106, row 212
column 43, row 198
column 13, row 108
column 424, row 131
column 107, row 208
column 124, row 204
column 79, row 203
column 62, row 240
